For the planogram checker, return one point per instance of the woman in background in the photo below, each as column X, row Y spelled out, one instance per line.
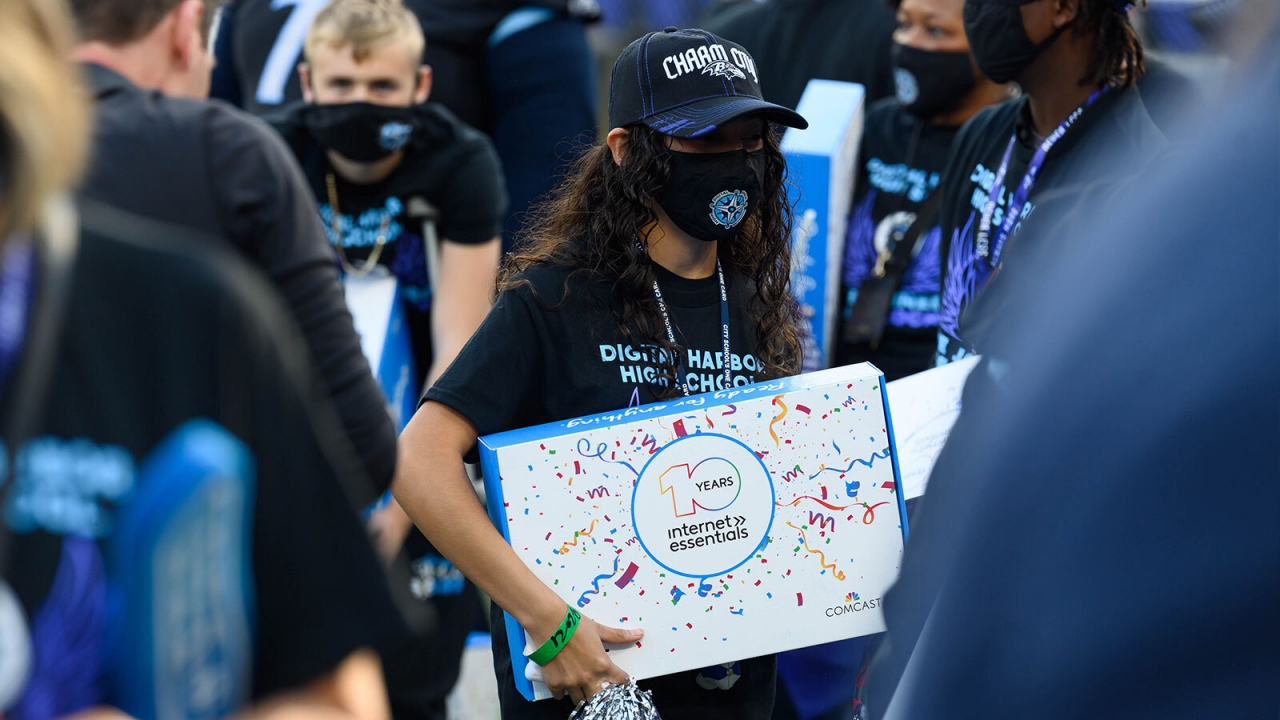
column 1077, row 62
column 892, row 270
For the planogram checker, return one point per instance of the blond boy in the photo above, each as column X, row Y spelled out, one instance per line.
column 390, row 171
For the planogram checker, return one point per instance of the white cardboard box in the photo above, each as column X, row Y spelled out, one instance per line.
column 926, row 406
column 820, row 165
column 726, row 525
column 379, row 317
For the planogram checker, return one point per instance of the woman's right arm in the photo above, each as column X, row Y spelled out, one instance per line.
column 432, row 486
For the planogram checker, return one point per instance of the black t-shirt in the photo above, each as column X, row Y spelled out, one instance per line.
column 158, row 332
column 795, row 41
column 455, row 169
column 209, row 167
column 448, row 164
column 549, row 350
column 1115, row 132
column 266, row 38
column 899, row 166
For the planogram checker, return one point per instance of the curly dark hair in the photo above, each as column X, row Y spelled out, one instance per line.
column 591, row 222
column 1118, row 58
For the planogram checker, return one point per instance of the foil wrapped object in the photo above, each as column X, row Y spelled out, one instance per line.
column 618, row 702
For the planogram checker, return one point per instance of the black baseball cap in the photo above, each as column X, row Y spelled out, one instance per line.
column 687, row 83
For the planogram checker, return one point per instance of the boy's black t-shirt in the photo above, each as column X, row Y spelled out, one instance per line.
column 446, row 162
column 158, row 332
column 454, row 168
column 899, row 166
column 550, row 350
column 1115, row 132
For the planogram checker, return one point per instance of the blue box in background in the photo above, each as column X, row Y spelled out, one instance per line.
column 820, row 165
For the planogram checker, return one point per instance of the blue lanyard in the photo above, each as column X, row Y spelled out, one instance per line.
column 993, row 250
column 17, row 277
column 724, row 329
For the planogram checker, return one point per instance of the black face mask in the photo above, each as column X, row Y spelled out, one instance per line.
column 931, row 83
column 998, row 39
column 709, row 195
column 361, row 132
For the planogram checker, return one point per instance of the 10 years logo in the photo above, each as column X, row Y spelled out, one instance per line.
column 702, row 505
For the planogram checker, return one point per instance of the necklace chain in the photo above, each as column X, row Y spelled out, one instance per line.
column 335, row 222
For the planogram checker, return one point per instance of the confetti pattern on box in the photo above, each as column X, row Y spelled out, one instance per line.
column 808, row 569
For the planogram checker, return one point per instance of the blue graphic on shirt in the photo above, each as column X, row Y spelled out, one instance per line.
column 900, row 178
column 915, row 305
column 703, row 369
column 434, row 576
column 967, row 273
column 66, row 487
column 983, row 180
column 404, row 253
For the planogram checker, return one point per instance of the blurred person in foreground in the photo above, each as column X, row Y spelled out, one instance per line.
column 795, row 41
column 377, row 155
column 1099, row 537
column 162, row 151
column 1080, row 123
column 119, row 336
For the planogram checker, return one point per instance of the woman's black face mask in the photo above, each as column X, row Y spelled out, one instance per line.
column 931, row 83
column 708, row 195
column 998, row 39
column 361, row 132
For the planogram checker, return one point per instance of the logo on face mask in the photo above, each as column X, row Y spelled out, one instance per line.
column 394, row 135
column 728, row 208
column 907, row 89
column 723, row 69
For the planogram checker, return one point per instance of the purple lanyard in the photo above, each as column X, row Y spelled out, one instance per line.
column 17, row 275
column 983, row 244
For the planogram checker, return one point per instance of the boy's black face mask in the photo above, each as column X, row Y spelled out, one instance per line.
column 708, row 195
column 361, row 132
column 998, row 39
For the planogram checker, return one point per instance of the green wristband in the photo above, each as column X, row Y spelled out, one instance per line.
column 558, row 639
